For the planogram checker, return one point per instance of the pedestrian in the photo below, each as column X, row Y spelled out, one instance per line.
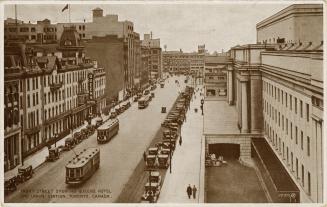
column 144, row 156
column 194, row 191
column 180, row 141
column 189, row 191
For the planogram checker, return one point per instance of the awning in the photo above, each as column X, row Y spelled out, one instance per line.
column 282, row 181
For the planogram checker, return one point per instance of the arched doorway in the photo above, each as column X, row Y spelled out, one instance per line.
column 225, row 149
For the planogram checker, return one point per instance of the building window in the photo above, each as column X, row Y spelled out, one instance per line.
column 292, row 166
column 296, row 135
column 287, row 158
column 28, row 84
column 308, row 145
column 308, row 112
column 287, row 126
column 295, row 105
column 301, row 140
column 286, row 99
column 302, row 175
column 33, row 99
column 291, row 102
column 297, row 168
column 291, row 130
column 37, row 98
column 282, row 97
column 301, row 108
column 309, row 183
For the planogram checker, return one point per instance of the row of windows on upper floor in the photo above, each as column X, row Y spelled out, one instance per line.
column 286, row 100
column 70, row 77
column 29, row 29
column 280, row 148
column 287, row 126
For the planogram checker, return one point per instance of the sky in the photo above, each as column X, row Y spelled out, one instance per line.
column 179, row 26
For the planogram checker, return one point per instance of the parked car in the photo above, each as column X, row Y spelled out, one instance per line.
column 113, row 115
column 163, row 161
column 69, row 144
column 54, row 154
column 151, row 192
column 10, row 184
column 25, row 172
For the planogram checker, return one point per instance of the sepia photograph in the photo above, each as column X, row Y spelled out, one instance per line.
column 170, row 102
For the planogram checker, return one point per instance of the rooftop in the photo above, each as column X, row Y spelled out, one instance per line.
column 298, row 9
column 216, row 59
column 219, row 118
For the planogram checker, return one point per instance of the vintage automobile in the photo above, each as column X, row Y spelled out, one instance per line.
column 152, row 95
column 153, row 151
column 98, row 121
column 25, row 172
column 171, row 142
column 69, row 144
column 151, row 192
column 10, row 184
column 153, row 87
column 113, row 115
column 155, row 177
column 54, row 154
column 167, row 133
column 77, row 137
column 173, row 126
column 163, row 161
column 151, row 161
column 165, row 151
column 90, row 129
column 146, row 92
column 163, row 146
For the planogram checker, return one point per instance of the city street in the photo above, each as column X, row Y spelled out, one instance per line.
column 118, row 158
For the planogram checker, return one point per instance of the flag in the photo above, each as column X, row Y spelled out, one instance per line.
column 66, row 7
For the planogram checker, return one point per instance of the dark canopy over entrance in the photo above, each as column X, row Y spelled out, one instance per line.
column 280, row 185
column 225, row 150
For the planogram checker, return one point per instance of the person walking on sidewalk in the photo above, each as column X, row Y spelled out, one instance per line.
column 180, row 141
column 194, row 191
column 189, row 191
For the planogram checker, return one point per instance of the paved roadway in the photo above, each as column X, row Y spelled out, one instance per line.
column 118, row 158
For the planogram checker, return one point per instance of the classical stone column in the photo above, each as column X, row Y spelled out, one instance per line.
column 244, row 103
column 256, row 104
column 230, row 87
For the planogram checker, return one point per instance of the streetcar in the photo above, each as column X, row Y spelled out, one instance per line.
column 143, row 102
column 82, row 166
column 108, row 130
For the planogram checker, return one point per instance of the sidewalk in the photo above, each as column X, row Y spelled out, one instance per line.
column 38, row 158
column 186, row 161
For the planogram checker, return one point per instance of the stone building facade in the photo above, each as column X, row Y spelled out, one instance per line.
column 276, row 91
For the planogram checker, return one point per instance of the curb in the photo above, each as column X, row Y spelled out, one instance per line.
column 202, row 172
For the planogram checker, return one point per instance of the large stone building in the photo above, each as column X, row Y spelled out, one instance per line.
column 154, row 52
column 180, row 62
column 13, row 108
column 43, row 32
column 215, row 76
column 111, row 54
column 102, row 26
column 59, row 87
column 275, row 111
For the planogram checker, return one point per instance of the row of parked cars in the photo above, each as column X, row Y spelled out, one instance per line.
column 119, row 110
column 159, row 155
column 25, row 172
